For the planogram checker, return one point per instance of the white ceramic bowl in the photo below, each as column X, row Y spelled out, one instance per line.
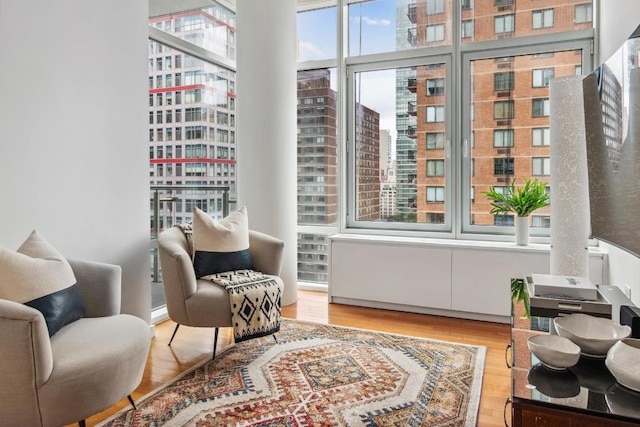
column 554, row 351
column 622, row 360
column 594, row 335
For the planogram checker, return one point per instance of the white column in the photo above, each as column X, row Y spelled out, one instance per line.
column 570, row 220
column 266, row 124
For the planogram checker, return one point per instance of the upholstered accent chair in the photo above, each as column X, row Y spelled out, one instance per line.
column 84, row 368
column 199, row 302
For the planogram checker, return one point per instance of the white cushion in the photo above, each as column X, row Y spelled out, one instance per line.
column 39, row 276
column 221, row 246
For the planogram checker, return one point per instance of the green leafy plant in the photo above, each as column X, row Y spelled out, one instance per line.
column 519, row 295
column 520, row 200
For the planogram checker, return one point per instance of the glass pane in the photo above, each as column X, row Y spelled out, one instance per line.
column 492, row 20
column 317, row 180
column 510, row 126
column 191, row 124
column 317, row 34
column 391, row 25
column 400, row 130
column 212, row 28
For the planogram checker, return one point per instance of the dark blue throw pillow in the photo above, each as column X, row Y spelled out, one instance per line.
column 206, row 263
column 60, row 308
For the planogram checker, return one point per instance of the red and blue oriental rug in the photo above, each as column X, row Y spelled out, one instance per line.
column 319, row 375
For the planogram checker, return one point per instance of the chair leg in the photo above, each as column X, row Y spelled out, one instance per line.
column 132, row 402
column 215, row 343
column 275, row 338
column 82, row 423
column 174, row 333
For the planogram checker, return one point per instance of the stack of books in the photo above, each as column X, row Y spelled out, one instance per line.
column 564, row 287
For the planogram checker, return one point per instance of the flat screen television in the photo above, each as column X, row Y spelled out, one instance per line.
column 613, row 150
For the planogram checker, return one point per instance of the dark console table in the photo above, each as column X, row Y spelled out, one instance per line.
column 585, row 395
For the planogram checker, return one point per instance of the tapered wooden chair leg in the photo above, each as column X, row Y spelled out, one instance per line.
column 132, row 402
column 215, row 343
column 174, row 333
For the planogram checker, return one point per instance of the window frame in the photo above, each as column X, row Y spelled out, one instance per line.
column 350, row 223
column 457, row 54
column 468, row 230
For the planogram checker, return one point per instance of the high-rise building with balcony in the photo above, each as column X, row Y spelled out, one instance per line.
column 317, row 168
column 509, row 110
column 192, row 138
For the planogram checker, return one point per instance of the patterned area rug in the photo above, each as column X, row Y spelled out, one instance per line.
column 319, row 375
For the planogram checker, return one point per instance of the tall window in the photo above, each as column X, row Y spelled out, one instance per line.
column 503, row 166
column 540, row 107
column 435, row 33
column 504, row 24
column 541, row 166
column 503, row 80
column 542, row 77
column 584, row 13
column 435, row 87
column 503, row 109
column 503, row 138
column 540, row 137
column 399, row 118
column 435, row 7
column 542, row 18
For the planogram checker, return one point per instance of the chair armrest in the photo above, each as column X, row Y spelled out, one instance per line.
column 267, row 252
column 178, row 276
column 100, row 286
column 25, row 352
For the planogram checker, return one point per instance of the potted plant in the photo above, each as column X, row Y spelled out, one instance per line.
column 520, row 200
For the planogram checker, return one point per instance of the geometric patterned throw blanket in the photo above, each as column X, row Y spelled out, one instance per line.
column 322, row 376
column 255, row 299
column 255, row 302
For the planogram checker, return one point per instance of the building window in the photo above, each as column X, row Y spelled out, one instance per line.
column 584, row 13
column 503, row 166
column 541, row 166
column 466, row 4
column 194, row 132
column 503, row 109
column 503, row 138
column 435, row 6
column 503, row 80
column 503, row 220
column 542, row 221
column 541, row 77
column 435, row 218
column 435, row 194
column 540, row 107
column 467, row 28
column 435, row 87
column 435, row 113
column 435, row 167
column 435, row 33
column 540, row 137
column 435, row 141
column 542, row 19
column 504, row 24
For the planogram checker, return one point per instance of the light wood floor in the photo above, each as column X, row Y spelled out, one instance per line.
column 192, row 345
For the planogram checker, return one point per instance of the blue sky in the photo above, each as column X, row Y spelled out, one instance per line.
column 372, row 30
column 375, row 19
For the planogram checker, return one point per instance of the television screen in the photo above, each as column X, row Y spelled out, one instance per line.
column 613, row 150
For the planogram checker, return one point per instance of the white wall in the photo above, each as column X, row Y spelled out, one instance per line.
column 73, row 133
column 624, row 269
column 618, row 19
column 267, row 159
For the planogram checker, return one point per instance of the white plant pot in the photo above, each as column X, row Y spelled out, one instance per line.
column 522, row 230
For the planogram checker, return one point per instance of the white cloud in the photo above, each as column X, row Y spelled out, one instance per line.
column 308, row 51
column 373, row 21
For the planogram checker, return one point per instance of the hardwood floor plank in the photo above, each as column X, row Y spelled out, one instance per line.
column 193, row 345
